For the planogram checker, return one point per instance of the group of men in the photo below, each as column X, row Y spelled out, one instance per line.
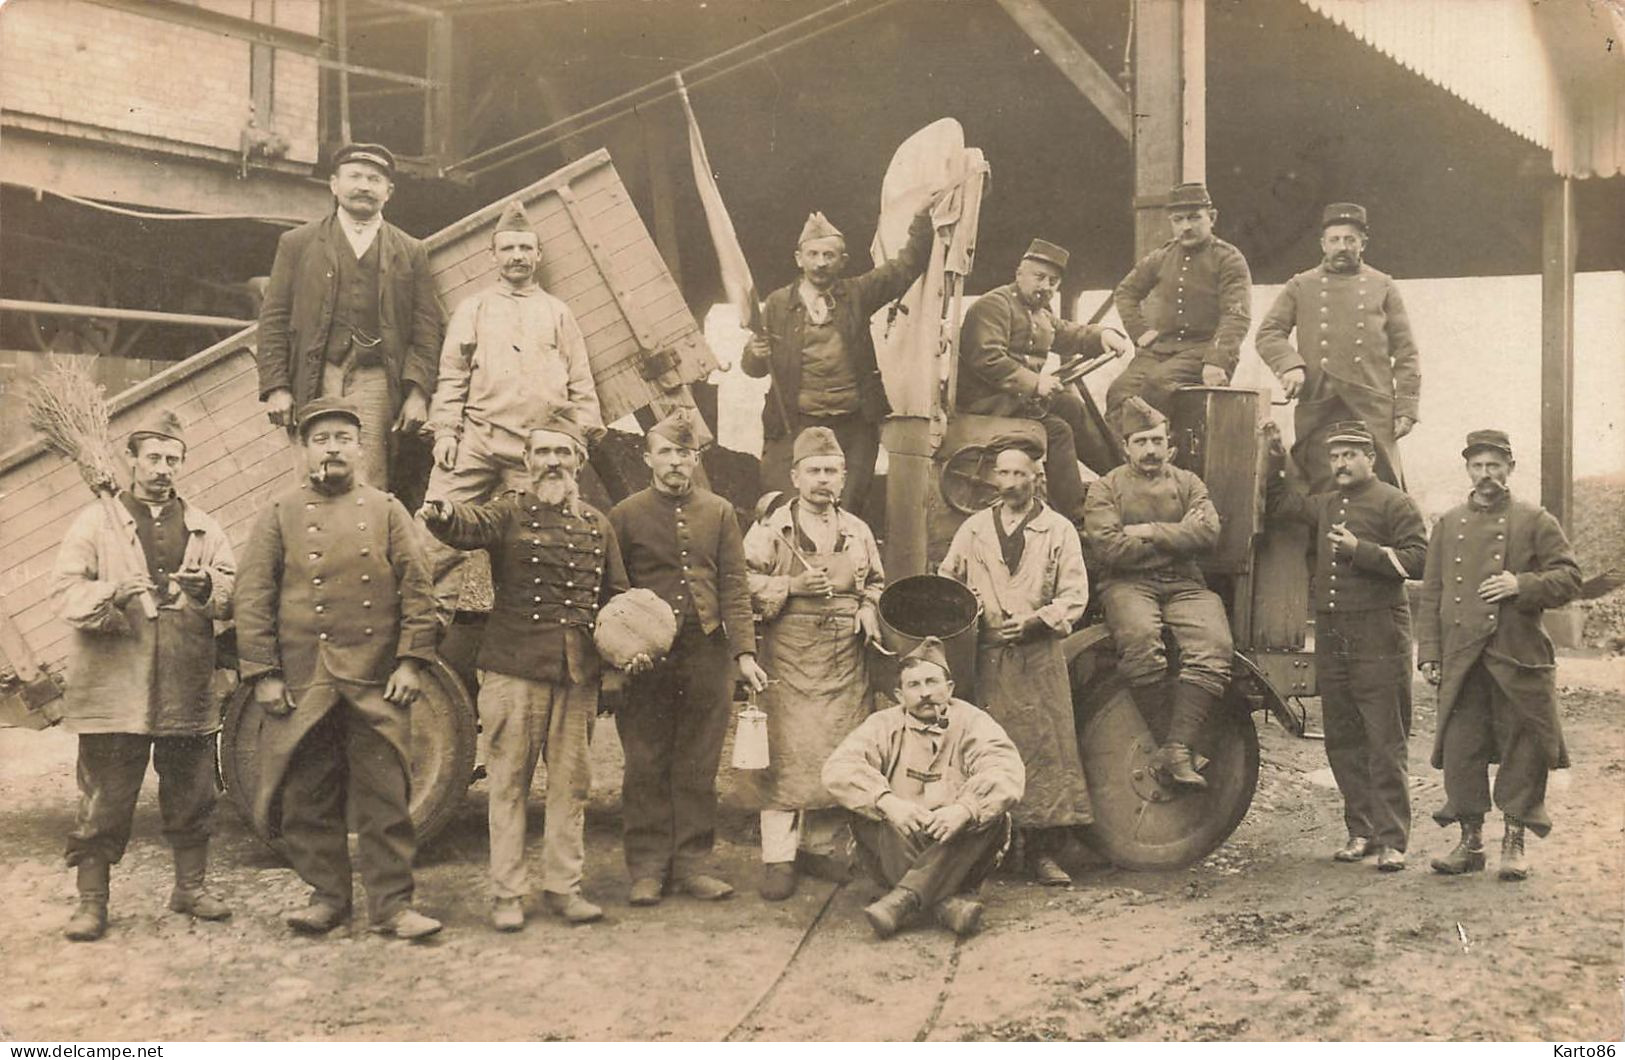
column 343, row 595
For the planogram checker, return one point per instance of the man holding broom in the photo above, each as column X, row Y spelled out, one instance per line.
column 140, row 582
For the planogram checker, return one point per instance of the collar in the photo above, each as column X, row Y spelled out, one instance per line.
column 192, row 517
column 1355, row 490
column 359, row 228
column 1031, row 515
column 926, row 728
column 1162, row 472
column 673, row 498
column 1498, row 505
column 526, row 291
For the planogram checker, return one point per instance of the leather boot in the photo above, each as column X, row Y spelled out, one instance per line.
column 89, row 921
column 191, row 894
column 1179, row 766
column 1468, row 855
column 893, row 912
column 1513, row 866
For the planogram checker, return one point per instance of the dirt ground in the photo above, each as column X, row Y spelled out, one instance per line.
column 1266, row 939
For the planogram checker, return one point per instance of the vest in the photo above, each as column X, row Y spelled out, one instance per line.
column 163, row 539
column 355, row 308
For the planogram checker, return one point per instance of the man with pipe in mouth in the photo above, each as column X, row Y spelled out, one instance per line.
column 930, row 784
column 335, row 625
column 1023, row 560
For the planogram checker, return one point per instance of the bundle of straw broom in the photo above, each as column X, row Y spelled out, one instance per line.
column 66, row 406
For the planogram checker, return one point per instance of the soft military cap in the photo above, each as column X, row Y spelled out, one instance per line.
column 1136, row 416
column 929, row 650
column 817, row 227
column 678, row 428
column 372, row 154
column 1490, row 438
column 1353, row 432
column 1031, row 442
column 1044, row 250
column 557, row 420
column 513, row 219
column 1343, row 213
column 328, row 406
column 1191, row 193
column 161, row 424
column 815, row 441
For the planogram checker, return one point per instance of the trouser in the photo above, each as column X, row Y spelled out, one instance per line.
column 368, row 388
column 786, row 831
column 1138, row 607
column 479, row 474
column 1484, row 726
column 522, row 721
column 110, row 770
column 1362, row 661
column 1064, row 423
column 345, row 771
column 860, row 442
column 1154, row 377
column 672, row 723
column 930, row 869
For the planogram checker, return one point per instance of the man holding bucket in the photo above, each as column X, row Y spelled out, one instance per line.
column 815, row 580
column 1023, row 560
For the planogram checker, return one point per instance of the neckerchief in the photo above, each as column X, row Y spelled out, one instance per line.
column 1012, row 545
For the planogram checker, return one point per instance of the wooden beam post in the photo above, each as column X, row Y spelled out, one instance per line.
column 1558, row 251
column 446, row 97
column 1159, row 101
column 1073, row 60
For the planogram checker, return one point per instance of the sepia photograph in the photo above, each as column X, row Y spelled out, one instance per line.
column 778, row 521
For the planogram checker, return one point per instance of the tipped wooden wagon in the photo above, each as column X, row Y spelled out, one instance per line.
column 645, row 348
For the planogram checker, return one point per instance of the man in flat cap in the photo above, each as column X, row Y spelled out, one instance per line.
column 554, row 563
column 815, row 580
column 335, row 626
column 351, row 311
column 511, row 352
column 140, row 597
column 1187, row 305
column 817, row 350
column 1006, row 338
column 1371, row 540
column 1493, row 565
column 1355, row 356
column 1145, row 524
column 930, row 784
column 683, row 543
column 1023, row 561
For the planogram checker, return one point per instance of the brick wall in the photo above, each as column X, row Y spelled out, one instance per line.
column 86, row 64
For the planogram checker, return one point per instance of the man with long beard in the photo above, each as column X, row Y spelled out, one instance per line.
column 1145, row 523
column 1493, row 565
column 554, row 563
column 815, row 579
column 1024, row 562
column 335, row 624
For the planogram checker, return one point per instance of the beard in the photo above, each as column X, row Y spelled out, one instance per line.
column 557, row 492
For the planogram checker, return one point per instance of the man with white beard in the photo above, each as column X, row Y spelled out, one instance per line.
column 554, row 563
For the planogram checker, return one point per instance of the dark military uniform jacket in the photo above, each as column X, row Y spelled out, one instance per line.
column 688, row 550
column 1393, row 542
column 552, row 569
column 1002, row 347
column 1193, row 299
column 1456, row 629
column 1174, row 503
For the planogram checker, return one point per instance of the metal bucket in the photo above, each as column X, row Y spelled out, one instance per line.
column 929, row 605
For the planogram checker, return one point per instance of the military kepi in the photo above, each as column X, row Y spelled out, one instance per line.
column 678, row 428
column 323, row 407
column 1487, row 439
column 1136, row 416
column 161, row 424
column 817, row 227
column 1189, row 194
column 513, row 219
column 815, row 441
column 1353, row 432
column 1343, row 213
column 373, row 154
column 929, row 650
column 1044, row 250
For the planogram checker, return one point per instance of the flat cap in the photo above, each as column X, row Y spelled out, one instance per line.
column 513, row 219
column 372, row 154
column 928, row 650
column 1489, row 438
column 162, row 423
column 815, row 441
column 1135, row 416
column 558, row 420
column 1044, row 250
column 1350, row 431
column 322, row 407
column 679, row 428
column 1031, row 442
column 1343, row 213
column 817, row 227
column 1191, row 193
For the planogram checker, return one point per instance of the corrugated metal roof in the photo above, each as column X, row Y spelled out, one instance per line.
column 1552, row 71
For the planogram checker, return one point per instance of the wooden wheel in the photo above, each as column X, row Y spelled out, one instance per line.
column 442, row 759
column 1139, row 822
